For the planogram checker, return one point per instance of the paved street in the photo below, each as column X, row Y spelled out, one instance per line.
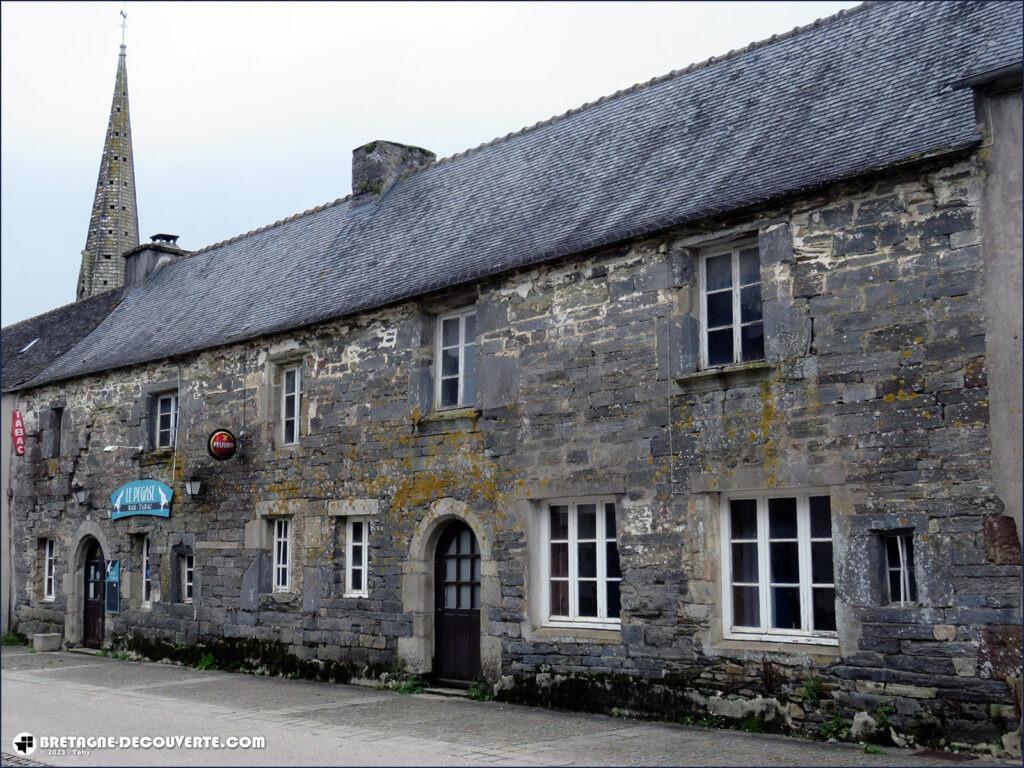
column 325, row 724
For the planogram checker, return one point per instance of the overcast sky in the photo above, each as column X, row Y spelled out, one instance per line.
column 244, row 113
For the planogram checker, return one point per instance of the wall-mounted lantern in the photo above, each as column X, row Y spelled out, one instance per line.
column 193, row 486
column 81, row 494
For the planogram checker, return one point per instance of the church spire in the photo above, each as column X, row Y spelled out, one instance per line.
column 114, row 224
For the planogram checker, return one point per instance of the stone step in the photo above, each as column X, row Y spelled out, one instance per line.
column 458, row 693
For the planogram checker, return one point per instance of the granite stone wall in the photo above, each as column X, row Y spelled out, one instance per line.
column 873, row 390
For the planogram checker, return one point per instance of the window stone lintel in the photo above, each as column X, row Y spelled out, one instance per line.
column 585, row 635
column 353, row 507
column 282, row 508
column 757, row 479
column 567, row 489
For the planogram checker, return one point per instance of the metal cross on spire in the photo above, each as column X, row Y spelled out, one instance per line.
column 124, row 20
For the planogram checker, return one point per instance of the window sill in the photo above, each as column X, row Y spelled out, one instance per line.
column 470, row 412
column 789, row 646
column 726, row 373
column 356, row 595
column 610, row 634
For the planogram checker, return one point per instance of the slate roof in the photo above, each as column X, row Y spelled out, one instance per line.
column 27, row 347
column 857, row 92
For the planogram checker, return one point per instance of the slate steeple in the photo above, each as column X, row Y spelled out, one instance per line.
column 114, row 224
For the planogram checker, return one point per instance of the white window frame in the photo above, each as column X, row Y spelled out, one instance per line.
column 362, row 561
column 188, row 578
column 147, row 582
column 902, row 567
column 733, row 248
column 285, row 394
column 172, row 432
column 765, row 632
column 461, row 315
column 601, row 621
column 49, row 570
column 282, row 538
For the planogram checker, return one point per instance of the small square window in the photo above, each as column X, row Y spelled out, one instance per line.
column 902, row 581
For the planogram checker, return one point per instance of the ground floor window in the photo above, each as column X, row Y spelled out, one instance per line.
column 147, row 572
column 282, row 554
column 899, row 552
column 777, row 570
column 580, row 563
column 49, row 578
column 188, row 570
column 357, row 571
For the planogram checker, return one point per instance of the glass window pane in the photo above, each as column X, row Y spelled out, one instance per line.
column 450, row 362
column 450, row 332
column 743, row 518
column 609, row 521
column 586, row 521
column 357, row 532
column 450, row 566
column 612, row 568
column 464, row 569
column 586, row 565
column 786, row 607
column 450, row 392
column 289, row 381
column 289, row 431
column 476, row 569
column 559, row 598
column 464, row 538
column 910, row 571
column 559, row 516
column 744, row 563
column 451, row 598
column 357, row 579
column 560, row 559
column 453, row 547
column 892, row 551
column 746, row 607
column 821, row 517
column 469, row 377
column 470, row 325
column 785, row 562
column 720, row 347
column 824, row 605
column 476, row 596
column 782, row 518
column 718, row 272
column 821, row 562
column 752, row 342
column 719, row 309
column 289, row 407
column 465, row 596
column 614, row 600
column 750, row 266
column 750, row 303
column 588, row 598
column 165, row 406
column 165, row 421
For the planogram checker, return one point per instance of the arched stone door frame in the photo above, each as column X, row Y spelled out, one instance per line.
column 418, row 589
column 74, row 580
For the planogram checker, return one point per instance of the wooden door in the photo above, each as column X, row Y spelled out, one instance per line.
column 95, row 581
column 457, row 600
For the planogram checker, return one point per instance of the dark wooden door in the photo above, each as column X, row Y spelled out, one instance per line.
column 457, row 599
column 95, row 581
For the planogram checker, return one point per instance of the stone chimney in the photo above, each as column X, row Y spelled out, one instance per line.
column 144, row 260
column 379, row 164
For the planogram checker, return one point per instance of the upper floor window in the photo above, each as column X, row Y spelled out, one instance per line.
column 580, row 563
column 899, row 552
column 732, row 329
column 282, row 554
column 166, row 420
column 147, row 571
column 778, row 581
column 357, row 557
column 49, row 574
column 291, row 402
column 456, row 355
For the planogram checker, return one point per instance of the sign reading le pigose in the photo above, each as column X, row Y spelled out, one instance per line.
column 141, row 497
column 222, row 444
column 18, row 433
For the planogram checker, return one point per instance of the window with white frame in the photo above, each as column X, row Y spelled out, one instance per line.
column 580, row 563
column 778, row 581
column 730, row 305
column 147, row 571
column 357, row 540
column 188, row 574
column 455, row 382
column 899, row 552
column 49, row 578
column 282, row 554
column 166, row 421
column 291, row 402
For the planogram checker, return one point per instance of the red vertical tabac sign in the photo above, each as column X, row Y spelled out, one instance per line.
column 18, row 433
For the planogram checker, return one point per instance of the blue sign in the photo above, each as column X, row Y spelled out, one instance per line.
column 141, row 497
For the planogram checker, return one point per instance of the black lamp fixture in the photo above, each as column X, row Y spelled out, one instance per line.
column 193, row 486
column 81, row 494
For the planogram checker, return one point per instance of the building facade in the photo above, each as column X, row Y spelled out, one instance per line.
column 741, row 465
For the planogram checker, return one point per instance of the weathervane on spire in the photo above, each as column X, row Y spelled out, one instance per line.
column 124, row 20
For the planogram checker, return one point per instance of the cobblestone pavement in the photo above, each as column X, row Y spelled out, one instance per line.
column 307, row 723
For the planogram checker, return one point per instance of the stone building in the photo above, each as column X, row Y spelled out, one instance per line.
column 686, row 401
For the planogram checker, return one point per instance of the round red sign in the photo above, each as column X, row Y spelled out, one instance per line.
column 222, row 444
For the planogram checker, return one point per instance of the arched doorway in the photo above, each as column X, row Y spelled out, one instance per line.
column 93, row 594
column 457, row 604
